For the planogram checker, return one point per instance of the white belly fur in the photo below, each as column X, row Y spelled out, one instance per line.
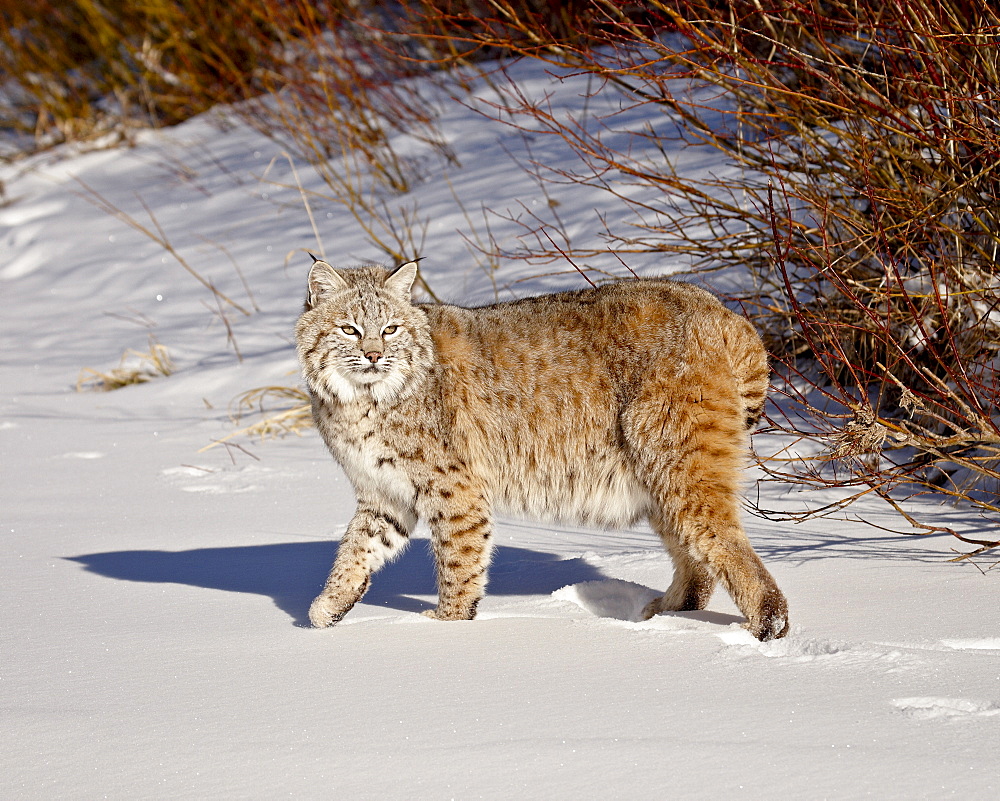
column 614, row 500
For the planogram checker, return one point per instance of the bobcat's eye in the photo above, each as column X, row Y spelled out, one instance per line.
column 390, row 329
column 350, row 330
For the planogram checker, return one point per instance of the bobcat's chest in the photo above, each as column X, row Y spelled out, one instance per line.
column 369, row 459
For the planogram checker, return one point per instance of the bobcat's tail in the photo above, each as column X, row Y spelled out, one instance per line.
column 751, row 370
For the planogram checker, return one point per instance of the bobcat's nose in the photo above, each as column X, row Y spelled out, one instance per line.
column 372, row 348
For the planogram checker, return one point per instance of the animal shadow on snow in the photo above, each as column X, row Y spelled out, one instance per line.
column 293, row 573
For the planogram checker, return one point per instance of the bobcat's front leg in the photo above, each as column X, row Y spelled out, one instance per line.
column 374, row 536
column 462, row 536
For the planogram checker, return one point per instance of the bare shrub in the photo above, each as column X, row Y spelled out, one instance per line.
column 341, row 99
column 863, row 144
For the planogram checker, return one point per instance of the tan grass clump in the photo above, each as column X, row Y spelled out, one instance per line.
column 282, row 410
column 155, row 362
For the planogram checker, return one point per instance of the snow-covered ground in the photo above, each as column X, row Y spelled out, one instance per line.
column 154, row 639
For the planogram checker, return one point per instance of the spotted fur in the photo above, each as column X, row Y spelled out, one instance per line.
column 603, row 406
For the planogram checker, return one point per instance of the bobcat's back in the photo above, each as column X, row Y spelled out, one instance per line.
column 535, row 390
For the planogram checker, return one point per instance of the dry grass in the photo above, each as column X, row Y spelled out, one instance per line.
column 136, row 367
column 281, row 410
column 78, row 68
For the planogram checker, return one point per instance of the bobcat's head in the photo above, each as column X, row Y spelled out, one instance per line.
column 360, row 335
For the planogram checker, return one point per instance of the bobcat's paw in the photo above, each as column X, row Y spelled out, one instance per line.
column 666, row 604
column 334, row 602
column 770, row 628
column 771, row 620
column 326, row 611
column 450, row 614
column 653, row 608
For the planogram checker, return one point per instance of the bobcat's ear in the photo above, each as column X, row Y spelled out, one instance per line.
column 323, row 280
column 401, row 281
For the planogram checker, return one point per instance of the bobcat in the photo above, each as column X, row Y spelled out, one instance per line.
column 602, row 406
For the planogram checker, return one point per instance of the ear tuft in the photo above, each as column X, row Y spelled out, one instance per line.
column 401, row 281
column 323, row 281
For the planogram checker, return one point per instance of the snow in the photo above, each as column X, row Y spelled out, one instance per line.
column 154, row 633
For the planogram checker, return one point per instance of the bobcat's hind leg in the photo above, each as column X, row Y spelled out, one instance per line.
column 462, row 538
column 689, row 438
column 373, row 537
column 693, row 582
